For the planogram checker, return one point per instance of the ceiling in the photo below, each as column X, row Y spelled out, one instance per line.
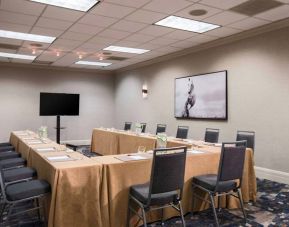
column 126, row 23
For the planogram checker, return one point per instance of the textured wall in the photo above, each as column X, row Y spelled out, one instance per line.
column 258, row 94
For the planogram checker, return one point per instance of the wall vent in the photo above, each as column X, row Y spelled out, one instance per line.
column 253, row 7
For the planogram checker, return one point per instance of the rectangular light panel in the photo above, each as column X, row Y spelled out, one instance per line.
column 95, row 63
column 80, row 5
column 126, row 49
column 186, row 24
column 17, row 56
column 26, row 36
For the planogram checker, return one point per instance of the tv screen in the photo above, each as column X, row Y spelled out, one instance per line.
column 53, row 104
column 202, row 96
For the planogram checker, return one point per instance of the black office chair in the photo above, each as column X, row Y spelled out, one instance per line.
column 127, row 126
column 249, row 136
column 18, row 174
column 5, row 144
column 166, row 184
column 12, row 163
column 182, row 132
column 16, row 193
column 143, row 127
column 212, row 135
column 161, row 128
column 9, row 154
column 6, row 148
column 228, row 181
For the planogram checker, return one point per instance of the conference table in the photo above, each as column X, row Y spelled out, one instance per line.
column 94, row 191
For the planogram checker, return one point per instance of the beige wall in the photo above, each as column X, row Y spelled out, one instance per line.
column 19, row 100
column 258, row 94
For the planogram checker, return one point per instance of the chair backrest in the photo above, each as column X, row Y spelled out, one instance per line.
column 2, row 184
column 161, row 128
column 143, row 127
column 232, row 161
column 168, row 170
column 249, row 136
column 182, row 132
column 127, row 126
column 212, row 135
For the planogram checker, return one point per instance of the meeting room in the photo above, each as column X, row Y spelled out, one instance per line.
column 144, row 113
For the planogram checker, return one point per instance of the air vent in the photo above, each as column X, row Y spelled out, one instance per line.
column 42, row 62
column 9, row 46
column 253, row 7
column 115, row 58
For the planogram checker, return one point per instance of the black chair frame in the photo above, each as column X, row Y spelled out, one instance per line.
column 214, row 130
column 11, row 204
column 182, row 128
column 143, row 127
column 147, row 207
column 246, row 133
column 235, row 193
column 161, row 128
column 127, row 126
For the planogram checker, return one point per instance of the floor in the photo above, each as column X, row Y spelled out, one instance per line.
column 271, row 209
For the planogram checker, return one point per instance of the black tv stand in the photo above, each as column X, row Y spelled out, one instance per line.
column 58, row 128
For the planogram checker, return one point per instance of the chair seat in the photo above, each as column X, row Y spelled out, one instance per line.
column 209, row 182
column 141, row 191
column 6, row 148
column 13, row 162
column 19, row 174
column 5, row 144
column 9, row 154
column 27, row 189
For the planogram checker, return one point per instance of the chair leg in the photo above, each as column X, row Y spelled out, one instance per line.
column 38, row 210
column 182, row 214
column 242, row 203
column 193, row 200
column 214, row 209
column 162, row 214
column 2, row 211
column 144, row 216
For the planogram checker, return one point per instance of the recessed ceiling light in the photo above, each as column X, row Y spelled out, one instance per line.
column 186, row 24
column 26, row 36
column 18, row 56
column 95, row 63
column 126, row 49
column 80, row 5
column 198, row 12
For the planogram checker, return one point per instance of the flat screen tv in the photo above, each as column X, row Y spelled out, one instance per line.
column 59, row 104
column 202, row 96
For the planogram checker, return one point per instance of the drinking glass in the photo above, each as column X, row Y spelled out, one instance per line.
column 141, row 149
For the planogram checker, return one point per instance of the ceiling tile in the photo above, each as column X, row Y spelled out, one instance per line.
column 24, row 7
column 96, row 20
column 126, row 43
column 14, row 27
column 65, row 44
column 17, row 18
column 186, row 12
column 46, row 31
column 4, row 59
column 225, row 18
column 62, row 13
column 156, row 31
column 163, row 41
column 149, row 46
column 202, row 38
column 7, row 51
column 102, row 40
column 180, row 35
column 275, row 14
column 29, row 51
column 140, row 38
column 116, row 11
column 48, row 56
column 169, row 49
column 223, row 31
column 222, row 4
column 22, row 61
column 284, row 1
column 52, row 23
column 111, row 33
column 66, row 60
column 131, row 3
column 86, row 29
column 248, row 23
column 11, row 41
column 89, row 48
column 28, row 44
column 146, row 16
column 76, row 36
column 128, row 26
column 184, row 44
column 167, row 6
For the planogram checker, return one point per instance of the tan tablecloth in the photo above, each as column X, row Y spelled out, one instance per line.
column 118, row 176
column 75, row 196
column 106, row 142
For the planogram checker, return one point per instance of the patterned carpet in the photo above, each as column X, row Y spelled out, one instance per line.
column 271, row 209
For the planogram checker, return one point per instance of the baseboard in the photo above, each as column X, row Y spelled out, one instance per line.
column 273, row 175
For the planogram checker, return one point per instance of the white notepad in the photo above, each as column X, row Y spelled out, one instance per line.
column 35, row 142
column 60, row 158
column 195, row 152
column 127, row 158
column 47, row 149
